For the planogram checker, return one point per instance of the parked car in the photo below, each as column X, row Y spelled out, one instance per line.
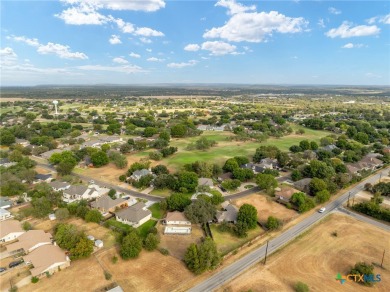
column 2, row 269
column 322, row 210
column 15, row 263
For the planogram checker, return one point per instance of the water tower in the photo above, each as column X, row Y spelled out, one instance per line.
column 55, row 102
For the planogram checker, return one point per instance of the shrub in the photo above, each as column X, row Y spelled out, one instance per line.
column 301, row 287
column 164, row 251
column 114, row 259
column 334, row 233
column 107, row 275
column 34, row 280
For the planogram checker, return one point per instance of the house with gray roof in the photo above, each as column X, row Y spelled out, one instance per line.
column 5, row 203
column 80, row 192
column 105, row 204
column 42, row 178
column 4, row 162
column 59, row 185
column 228, row 214
column 203, row 181
column 135, row 215
column 303, row 185
column 140, row 173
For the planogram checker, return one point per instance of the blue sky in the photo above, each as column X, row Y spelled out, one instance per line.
column 225, row 41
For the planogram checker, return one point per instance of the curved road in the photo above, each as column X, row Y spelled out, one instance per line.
column 255, row 256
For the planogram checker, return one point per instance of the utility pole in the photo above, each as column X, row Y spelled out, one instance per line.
column 353, row 201
column 266, row 251
column 383, row 258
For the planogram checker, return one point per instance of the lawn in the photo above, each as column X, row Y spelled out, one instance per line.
column 144, row 228
column 161, row 193
column 226, row 149
column 226, row 242
column 156, row 211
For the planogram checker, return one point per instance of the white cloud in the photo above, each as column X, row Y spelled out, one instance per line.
column 62, row 51
column 351, row 46
column 120, row 60
column 115, row 40
column 346, row 30
column 149, row 50
column 234, row 7
column 31, row 42
column 192, row 47
column 8, row 52
column 120, row 69
column 145, row 40
column 154, row 59
column 183, row 64
column 334, row 11
column 144, row 5
column 125, row 27
column 148, row 32
column 134, row 55
column 372, row 75
column 255, row 27
column 83, row 14
column 218, row 48
column 321, row 23
column 383, row 19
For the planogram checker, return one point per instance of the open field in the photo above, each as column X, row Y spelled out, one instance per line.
column 156, row 211
column 266, row 207
column 82, row 275
column 227, row 242
column 178, row 244
column 316, row 257
column 151, row 271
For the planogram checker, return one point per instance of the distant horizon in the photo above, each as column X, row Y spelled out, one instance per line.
column 78, row 42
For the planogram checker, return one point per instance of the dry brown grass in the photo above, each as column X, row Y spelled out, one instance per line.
column 266, row 207
column 151, row 271
column 178, row 244
column 317, row 257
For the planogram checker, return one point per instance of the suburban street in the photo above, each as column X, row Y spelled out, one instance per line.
column 254, row 257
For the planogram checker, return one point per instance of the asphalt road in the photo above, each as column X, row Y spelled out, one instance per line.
column 255, row 256
column 365, row 219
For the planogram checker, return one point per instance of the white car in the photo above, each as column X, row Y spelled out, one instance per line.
column 322, row 210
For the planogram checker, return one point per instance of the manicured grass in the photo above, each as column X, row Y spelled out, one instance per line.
column 226, row 242
column 226, row 149
column 144, row 228
column 156, row 211
column 161, row 193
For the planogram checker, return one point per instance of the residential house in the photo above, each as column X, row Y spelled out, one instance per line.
column 176, row 218
column 5, row 203
column 22, row 142
column 29, row 241
column 329, row 148
column 140, row 173
column 81, row 192
column 225, row 176
column 367, row 163
column 47, row 259
column 285, row 193
column 59, row 185
column 208, row 182
column 92, row 143
column 4, row 162
column 5, row 214
column 10, row 230
column 39, row 178
column 303, row 185
column 256, row 167
column 105, row 204
column 49, row 153
column 269, row 163
column 228, row 214
column 135, row 215
column 111, row 139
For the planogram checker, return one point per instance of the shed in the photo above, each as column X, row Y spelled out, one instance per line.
column 98, row 243
column 52, row 217
column 90, row 237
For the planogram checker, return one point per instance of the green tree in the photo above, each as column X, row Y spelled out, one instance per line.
column 99, row 158
column 131, row 246
column 112, row 194
column 248, row 215
column 177, row 202
column 283, row 159
column 273, row 223
column 191, row 259
column 230, row 165
column 188, row 180
column 150, row 131
column 82, row 249
column 202, row 257
column 200, row 211
column 41, row 207
column 304, row 144
column 243, row 174
column 62, row 214
column 165, row 136
column 230, row 184
column 151, row 242
column 266, row 181
column 362, row 268
column 301, row 287
column 241, row 229
column 160, row 169
column 322, row 196
column 93, row 216
column 67, row 236
column 179, row 131
column 316, row 185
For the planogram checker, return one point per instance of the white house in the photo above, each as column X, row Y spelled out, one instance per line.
column 4, row 214
column 135, row 215
column 176, row 218
column 140, row 173
column 47, row 259
column 5, row 203
column 10, row 230
column 30, row 241
column 80, row 192
column 59, row 185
